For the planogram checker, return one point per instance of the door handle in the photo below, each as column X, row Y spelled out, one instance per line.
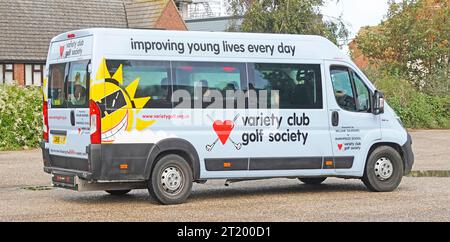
column 335, row 118
column 72, row 117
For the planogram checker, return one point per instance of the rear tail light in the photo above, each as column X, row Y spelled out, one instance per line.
column 45, row 120
column 94, row 113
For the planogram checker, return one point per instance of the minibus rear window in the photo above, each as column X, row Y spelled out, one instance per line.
column 77, row 88
column 57, row 90
column 68, row 85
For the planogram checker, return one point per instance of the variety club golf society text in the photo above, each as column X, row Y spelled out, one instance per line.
column 224, row 231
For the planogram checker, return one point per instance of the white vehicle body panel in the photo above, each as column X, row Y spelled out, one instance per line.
column 323, row 140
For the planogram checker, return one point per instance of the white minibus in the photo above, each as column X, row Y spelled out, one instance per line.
column 159, row 110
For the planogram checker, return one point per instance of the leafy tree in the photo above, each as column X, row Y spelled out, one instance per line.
column 413, row 41
column 288, row 17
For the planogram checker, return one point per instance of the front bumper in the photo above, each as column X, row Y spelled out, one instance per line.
column 408, row 155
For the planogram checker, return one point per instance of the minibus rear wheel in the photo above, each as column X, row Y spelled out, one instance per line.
column 171, row 180
column 384, row 170
column 313, row 181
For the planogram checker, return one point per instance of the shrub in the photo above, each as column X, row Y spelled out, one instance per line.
column 20, row 117
column 416, row 109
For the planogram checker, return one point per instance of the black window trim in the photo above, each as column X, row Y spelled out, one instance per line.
column 246, row 79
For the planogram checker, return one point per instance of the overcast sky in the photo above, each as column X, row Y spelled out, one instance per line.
column 357, row 13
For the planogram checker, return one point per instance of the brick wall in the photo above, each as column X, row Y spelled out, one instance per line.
column 170, row 18
column 19, row 73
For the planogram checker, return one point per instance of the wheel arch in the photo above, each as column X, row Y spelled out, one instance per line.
column 175, row 146
column 393, row 145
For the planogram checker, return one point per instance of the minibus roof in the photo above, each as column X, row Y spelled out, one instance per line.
column 321, row 47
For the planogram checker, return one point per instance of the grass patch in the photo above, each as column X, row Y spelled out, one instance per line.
column 38, row 188
column 429, row 174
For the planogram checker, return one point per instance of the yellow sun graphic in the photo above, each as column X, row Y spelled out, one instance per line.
column 121, row 104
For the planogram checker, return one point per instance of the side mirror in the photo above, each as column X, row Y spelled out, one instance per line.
column 378, row 103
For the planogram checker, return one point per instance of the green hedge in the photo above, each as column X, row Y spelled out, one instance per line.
column 416, row 109
column 20, row 117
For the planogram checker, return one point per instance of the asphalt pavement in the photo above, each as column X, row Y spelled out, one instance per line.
column 26, row 195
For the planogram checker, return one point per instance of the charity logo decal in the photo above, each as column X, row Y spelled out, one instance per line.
column 118, row 105
column 223, row 131
column 61, row 51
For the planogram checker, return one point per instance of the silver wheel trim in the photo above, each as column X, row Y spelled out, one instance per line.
column 383, row 169
column 172, row 180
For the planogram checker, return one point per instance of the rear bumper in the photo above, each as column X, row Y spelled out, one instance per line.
column 408, row 155
column 60, row 165
column 101, row 167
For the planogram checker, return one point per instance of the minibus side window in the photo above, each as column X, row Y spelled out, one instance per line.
column 343, row 89
column 350, row 91
column 362, row 94
column 57, row 92
column 286, row 86
column 211, row 85
column 154, row 82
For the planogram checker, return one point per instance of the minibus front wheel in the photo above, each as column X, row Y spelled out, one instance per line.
column 384, row 170
column 171, row 180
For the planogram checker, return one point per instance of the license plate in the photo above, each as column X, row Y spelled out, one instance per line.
column 59, row 140
column 65, row 179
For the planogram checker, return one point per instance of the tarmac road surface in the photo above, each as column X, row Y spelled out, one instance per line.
column 26, row 195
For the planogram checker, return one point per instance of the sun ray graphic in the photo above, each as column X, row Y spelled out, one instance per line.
column 134, row 104
column 102, row 72
column 118, row 76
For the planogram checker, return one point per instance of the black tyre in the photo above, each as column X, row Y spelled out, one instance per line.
column 313, row 181
column 117, row 192
column 171, row 180
column 384, row 170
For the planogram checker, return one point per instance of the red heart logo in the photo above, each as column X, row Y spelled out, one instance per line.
column 61, row 50
column 223, row 129
column 340, row 146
